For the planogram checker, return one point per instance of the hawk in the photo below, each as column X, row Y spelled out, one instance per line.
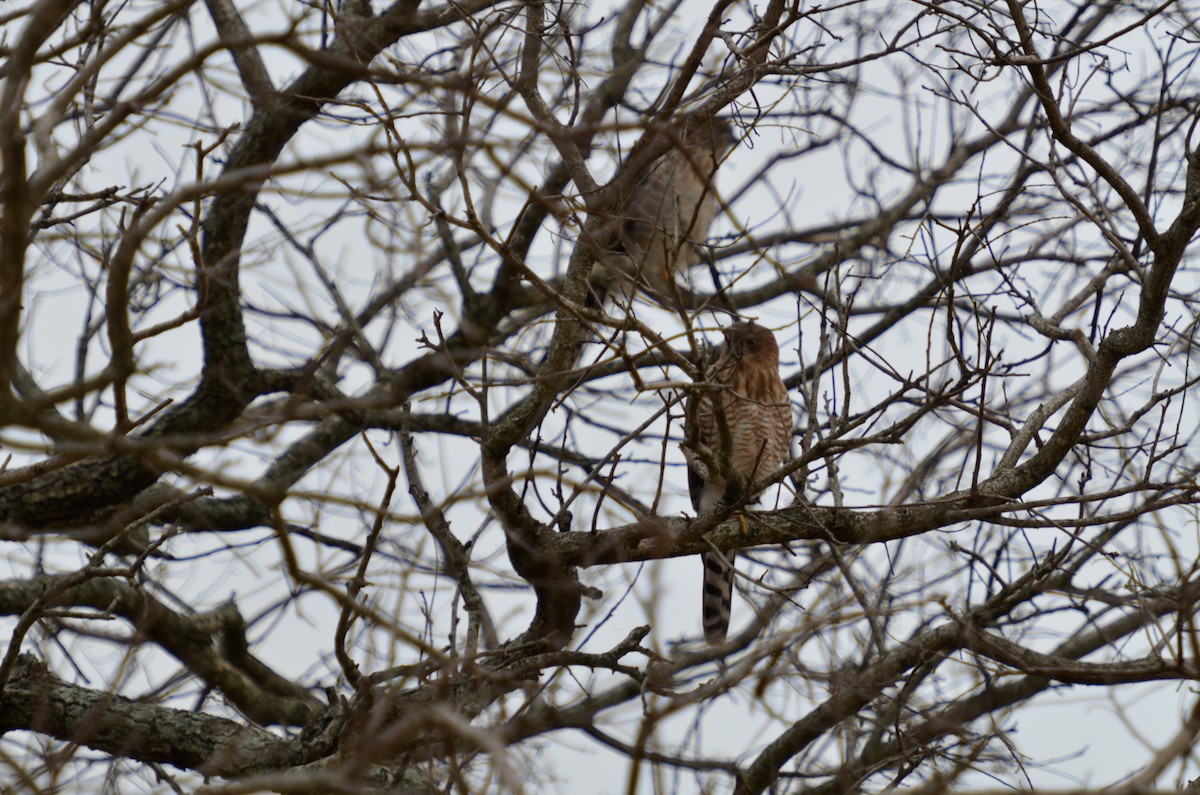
column 665, row 218
column 747, row 396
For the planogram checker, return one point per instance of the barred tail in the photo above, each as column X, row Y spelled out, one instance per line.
column 718, row 595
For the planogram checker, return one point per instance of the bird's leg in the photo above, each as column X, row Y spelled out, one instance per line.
column 736, row 488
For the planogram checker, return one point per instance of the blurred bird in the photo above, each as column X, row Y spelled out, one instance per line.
column 747, row 395
column 664, row 220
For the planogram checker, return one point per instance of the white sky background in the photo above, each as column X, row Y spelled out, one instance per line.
column 1080, row 729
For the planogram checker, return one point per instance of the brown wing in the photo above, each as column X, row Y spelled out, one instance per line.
column 704, row 432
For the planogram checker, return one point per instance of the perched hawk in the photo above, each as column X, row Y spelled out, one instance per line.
column 665, row 218
column 748, row 396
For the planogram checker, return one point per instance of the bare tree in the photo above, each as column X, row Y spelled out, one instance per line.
column 333, row 465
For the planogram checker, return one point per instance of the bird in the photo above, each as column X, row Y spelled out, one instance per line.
column 663, row 220
column 744, row 392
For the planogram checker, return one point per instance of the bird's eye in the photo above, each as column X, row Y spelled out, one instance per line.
column 751, row 344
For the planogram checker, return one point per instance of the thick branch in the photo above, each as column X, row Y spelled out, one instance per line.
column 228, row 666
column 36, row 700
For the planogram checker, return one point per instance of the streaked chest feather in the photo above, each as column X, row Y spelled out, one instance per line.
column 758, row 416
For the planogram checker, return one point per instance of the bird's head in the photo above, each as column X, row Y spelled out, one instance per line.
column 748, row 340
column 716, row 136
